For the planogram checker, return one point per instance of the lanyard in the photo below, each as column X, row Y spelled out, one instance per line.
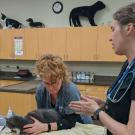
column 118, row 83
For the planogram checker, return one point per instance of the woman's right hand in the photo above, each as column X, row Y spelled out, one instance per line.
column 35, row 128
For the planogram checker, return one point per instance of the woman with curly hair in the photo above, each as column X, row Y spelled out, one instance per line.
column 56, row 91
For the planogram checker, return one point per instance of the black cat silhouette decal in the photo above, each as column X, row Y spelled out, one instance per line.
column 86, row 11
column 10, row 23
column 43, row 115
column 35, row 24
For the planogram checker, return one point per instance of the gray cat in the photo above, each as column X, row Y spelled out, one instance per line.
column 43, row 115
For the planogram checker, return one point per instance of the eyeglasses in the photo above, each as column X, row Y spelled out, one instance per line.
column 53, row 84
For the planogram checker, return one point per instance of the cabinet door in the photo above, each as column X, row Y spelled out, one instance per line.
column 81, row 44
column 82, row 89
column 52, row 40
column 93, row 90
column 73, row 49
column 98, row 91
column 44, row 41
column 31, row 44
column 104, row 47
column 59, row 41
column 88, row 43
column 19, row 44
column 18, row 48
column 9, row 44
column 6, row 46
column 20, row 103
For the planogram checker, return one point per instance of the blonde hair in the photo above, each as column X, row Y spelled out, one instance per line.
column 52, row 67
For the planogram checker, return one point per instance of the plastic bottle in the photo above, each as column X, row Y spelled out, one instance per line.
column 10, row 112
column 92, row 77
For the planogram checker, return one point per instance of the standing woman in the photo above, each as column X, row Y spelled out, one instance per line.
column 119, row 113
column 55, row 92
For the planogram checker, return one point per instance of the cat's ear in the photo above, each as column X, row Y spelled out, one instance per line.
column 30, row 19
column 3, row 14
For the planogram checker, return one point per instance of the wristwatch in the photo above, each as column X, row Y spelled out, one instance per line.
column 96, row 114
column 49, row 127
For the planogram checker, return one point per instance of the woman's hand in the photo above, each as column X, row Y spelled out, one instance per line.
column 35, row 128
column 96, row 99
column 85, row 106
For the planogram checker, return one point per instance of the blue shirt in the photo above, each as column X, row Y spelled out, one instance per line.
column 67, row 93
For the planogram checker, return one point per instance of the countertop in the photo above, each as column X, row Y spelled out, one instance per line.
column 104, row 80
column 23, row 87
column 30, row 86
column 99, row 80
column 4, row 83
column 7, row 75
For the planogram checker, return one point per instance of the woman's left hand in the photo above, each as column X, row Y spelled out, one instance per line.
column 35, row 128
column 85, row 106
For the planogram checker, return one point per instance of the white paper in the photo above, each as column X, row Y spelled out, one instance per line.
column 18, row 45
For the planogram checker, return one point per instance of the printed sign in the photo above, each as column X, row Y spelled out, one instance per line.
column 18, row 45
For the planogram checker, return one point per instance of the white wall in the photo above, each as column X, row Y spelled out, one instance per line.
column 99, row 68
column 41, row 10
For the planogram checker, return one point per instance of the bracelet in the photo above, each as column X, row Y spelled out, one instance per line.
column 96, row 114
column 49, row 127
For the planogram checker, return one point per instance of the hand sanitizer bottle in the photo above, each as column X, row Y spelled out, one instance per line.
column 10, row 112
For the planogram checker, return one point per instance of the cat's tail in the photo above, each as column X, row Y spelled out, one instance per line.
column 70, row 18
